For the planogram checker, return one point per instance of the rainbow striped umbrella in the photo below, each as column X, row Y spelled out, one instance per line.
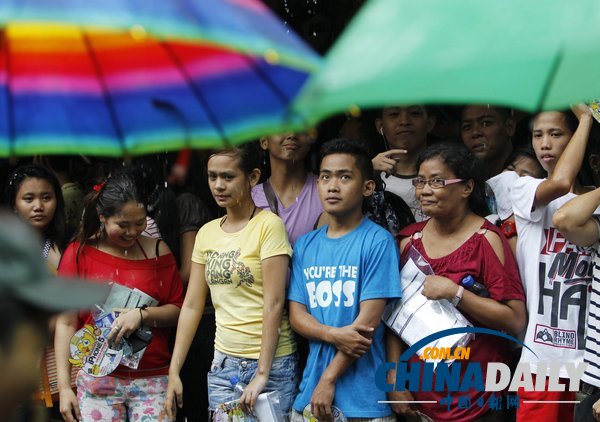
column 119, row 77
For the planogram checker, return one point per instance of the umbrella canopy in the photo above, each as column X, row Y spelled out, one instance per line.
column 533, row 55
column 113, row 77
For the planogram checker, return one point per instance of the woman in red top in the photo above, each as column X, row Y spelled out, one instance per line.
column 457, row 241
column 110, row 248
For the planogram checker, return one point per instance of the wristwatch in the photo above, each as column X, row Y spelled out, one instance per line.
column 458, row 296
column 509, row 228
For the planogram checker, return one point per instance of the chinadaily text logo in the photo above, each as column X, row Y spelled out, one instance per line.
column 450, row 371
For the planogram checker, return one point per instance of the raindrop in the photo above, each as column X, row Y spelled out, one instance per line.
column 125, row 252
column 314, row 34
column 160, row 283
column 117, row 272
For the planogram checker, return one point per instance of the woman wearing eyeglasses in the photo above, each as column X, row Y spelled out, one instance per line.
column 456, row 242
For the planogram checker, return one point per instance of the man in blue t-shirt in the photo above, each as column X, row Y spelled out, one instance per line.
column 342, row 277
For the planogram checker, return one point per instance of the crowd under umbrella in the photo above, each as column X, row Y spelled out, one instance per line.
column 533, row 55
column 116, row 78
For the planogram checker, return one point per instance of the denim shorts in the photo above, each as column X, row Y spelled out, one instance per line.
column 282, row 378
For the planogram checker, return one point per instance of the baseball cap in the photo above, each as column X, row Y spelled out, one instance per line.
column 24, row 275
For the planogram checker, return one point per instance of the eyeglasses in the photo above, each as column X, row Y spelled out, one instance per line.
column 435, row 183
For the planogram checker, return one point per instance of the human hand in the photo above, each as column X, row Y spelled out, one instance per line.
column 251, row 392
column 386, row 161
column 437, row 287
column 406, row 409
column 68, row 405
column 596, row 410
column 580, row 110
column 174, row 396
column 353, row 340
column 125, row 325
column 321, row 400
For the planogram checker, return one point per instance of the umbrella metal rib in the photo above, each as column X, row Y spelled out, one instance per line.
column 197, row 93
column 106, row 95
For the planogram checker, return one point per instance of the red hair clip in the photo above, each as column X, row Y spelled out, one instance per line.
column 99, row 186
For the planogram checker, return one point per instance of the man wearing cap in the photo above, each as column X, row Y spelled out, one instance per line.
column 29, row 296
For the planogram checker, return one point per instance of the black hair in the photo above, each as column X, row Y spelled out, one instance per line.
column 57, row 228
column 150, row 176
column 571, row 119
column 15, row 313
column 525, row 151
column 428, row 110
column 353, row 148
column 465, row 166
column 248, row 156
column 107, row 199
column 504, row 112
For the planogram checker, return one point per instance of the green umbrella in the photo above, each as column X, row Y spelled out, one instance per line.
column 532, row 54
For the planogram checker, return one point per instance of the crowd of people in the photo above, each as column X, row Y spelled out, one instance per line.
column 271, row 263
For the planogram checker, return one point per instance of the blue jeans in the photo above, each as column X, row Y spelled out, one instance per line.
column 283, row 378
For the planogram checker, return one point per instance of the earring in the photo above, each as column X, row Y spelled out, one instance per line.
column 101, row 229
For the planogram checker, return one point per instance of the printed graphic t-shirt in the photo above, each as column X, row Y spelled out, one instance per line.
column 300, row 217
column 403, row 187
column 234, row 275
column 501, row 186
column 557, row 277
column 331, row 277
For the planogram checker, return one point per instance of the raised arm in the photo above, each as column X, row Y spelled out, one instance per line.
column 569, row 164
column 575, row 219
column 274, row 271
column 189, row 318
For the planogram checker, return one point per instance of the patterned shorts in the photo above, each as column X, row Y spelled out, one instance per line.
column 117, row 399
column 297, row 417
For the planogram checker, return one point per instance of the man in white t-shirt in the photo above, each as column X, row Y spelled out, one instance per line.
column 555, row 273
column 404, row 130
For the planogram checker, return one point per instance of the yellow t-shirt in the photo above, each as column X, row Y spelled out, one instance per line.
column 234, row 275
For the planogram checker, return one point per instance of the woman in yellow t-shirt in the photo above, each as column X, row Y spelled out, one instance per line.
column 243, row 259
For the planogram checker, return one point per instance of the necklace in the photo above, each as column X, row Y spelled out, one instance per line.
column 225, row 218
column 46, row 248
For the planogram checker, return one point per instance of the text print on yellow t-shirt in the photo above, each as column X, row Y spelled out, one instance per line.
column 323, row 293
column 220, row 266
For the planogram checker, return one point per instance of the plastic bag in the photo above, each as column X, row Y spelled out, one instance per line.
column 414, row 317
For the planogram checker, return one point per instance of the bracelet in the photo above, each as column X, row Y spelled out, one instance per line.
column 142, row 308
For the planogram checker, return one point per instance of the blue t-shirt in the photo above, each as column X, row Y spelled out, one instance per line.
column 331, row 277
